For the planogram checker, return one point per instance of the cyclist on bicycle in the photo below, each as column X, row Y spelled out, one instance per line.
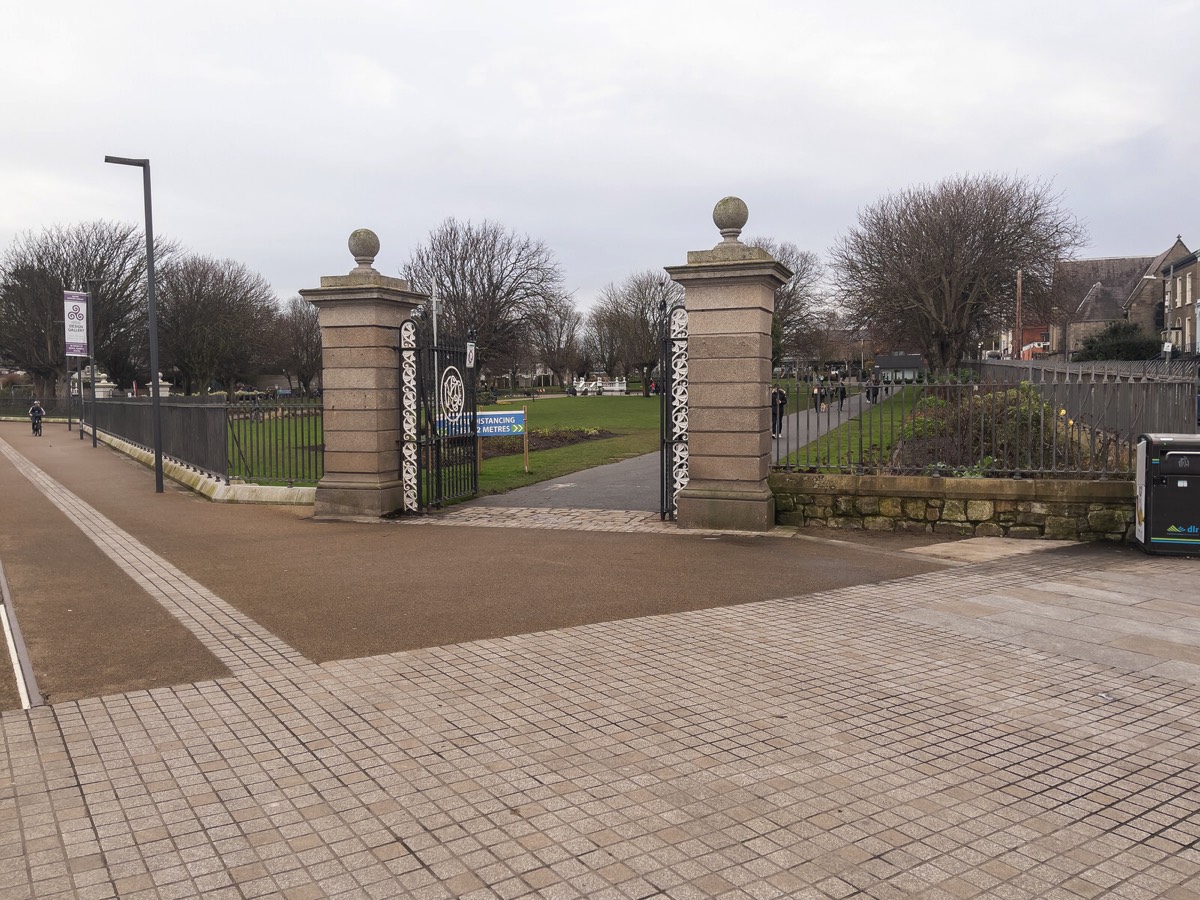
column 35, row 415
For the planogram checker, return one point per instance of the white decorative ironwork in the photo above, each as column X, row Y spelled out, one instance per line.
column 679, row 402
column 408, row 415
column 453, row 392
column 600, row 386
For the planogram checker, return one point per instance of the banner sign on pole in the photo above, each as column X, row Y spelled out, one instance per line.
column 75, row 304
column 497, row 424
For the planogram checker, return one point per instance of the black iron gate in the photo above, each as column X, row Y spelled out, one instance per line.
column 673, row 408
column 438, row 462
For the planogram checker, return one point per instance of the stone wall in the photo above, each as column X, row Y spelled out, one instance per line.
column 1017, row 508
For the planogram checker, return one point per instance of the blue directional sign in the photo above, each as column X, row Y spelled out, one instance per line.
column 495, row 424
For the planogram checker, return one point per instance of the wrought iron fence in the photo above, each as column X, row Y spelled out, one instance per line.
column 1013, row 370
column 276, row 441
column 18, row 407
column 1023, row 429
column 193, row 432
column 264, row 442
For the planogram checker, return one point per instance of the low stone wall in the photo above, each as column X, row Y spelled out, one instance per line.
column 1017, row 508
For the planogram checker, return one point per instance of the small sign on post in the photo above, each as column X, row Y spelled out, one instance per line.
column 503, row 424
column 75, row 324
column 500, row 424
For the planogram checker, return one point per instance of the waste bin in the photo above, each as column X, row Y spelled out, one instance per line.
column 1167, row 518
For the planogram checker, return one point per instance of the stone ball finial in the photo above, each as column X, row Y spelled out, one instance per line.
column 364, row 247
column 730, row 215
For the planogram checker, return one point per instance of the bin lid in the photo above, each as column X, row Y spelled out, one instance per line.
column 1159, row 438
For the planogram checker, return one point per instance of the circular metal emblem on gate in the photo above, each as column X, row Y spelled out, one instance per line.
column 453, row 393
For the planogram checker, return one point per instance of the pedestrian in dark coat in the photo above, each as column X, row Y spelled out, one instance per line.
column 778, row 404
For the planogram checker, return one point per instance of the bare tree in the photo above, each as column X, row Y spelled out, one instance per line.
column 800, row 301
column 824, row 338
column 937, row 265
column 634, row 309
column 602, row 342
column 489, row 279
column 556, row 329
column 37, row 268
column 299, row 343
column 215, row 321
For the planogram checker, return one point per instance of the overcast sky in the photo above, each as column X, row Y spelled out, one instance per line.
column 606, row 129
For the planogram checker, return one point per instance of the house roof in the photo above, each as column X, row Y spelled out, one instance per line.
column 899, row 361
column 1111, row 282
column 1165, row 269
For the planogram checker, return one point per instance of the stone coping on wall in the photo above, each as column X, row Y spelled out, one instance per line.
column 984, row 507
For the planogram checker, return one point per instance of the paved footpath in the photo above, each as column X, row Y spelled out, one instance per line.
column 1021, row 722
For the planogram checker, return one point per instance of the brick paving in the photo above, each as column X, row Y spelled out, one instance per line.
column 965, row 733
column 616, row 520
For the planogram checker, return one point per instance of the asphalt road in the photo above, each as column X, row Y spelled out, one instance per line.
column 629, row 484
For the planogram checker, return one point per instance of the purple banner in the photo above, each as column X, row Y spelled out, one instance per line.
column 75, row 313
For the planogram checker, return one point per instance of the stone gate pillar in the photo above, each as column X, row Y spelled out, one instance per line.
column 729, row 293
column 360, row 314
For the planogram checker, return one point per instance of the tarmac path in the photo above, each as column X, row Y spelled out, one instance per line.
column 633, row 484
column 266, row 586
column 621, row 718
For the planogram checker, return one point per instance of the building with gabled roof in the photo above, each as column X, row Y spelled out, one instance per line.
column 1178, row 281
column 1144, row 306
column 1111, row 289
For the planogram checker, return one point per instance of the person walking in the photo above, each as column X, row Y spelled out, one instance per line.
column 778, row 404
column 841, row 394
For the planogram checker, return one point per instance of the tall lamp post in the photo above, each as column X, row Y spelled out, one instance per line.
column 93, row 291
column 156, row 409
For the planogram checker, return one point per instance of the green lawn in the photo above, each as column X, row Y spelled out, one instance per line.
column 867, row 438
column 634, row 421
column 276, row 449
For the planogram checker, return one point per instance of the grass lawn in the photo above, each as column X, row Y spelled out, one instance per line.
column 276, row 450
column 634, row 421
column 874, row 431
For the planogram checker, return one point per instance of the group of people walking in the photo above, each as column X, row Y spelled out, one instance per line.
column 823, row 395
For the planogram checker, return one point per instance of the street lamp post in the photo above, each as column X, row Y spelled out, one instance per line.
column 156, row 409
column 93, row 291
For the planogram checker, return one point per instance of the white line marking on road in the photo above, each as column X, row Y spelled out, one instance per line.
column 12, row 654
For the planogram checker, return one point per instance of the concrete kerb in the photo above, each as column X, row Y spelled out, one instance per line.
column 209, row 485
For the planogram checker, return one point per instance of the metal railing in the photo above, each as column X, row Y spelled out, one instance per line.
column 1060, row 429
column 18, row 408
column 264, row 442
column 1184, row 368
column 276, row 441
column 193, row 430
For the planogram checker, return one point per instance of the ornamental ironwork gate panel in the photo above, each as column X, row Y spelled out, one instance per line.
column 673, row 415
column 438, row 462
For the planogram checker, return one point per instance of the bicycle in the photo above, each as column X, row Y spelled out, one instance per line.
column 37, row 426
